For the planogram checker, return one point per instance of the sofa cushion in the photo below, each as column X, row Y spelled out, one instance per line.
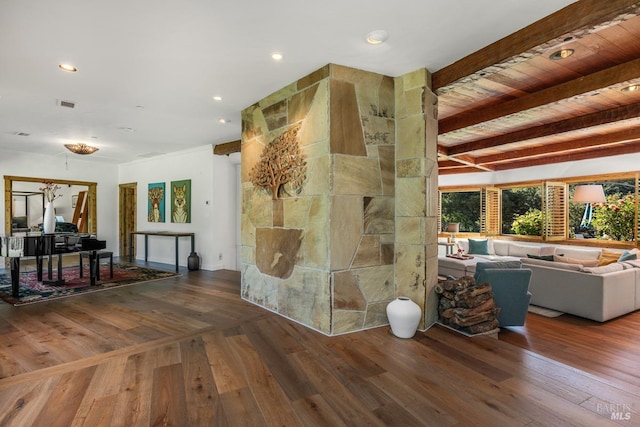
column 544, row 257
column 464, row 245
column 522, row 250
column 547, row 250
column 579, row 253
column 609, row 268
column 607, row 257
column 500, row 247
column 632, row 263
column 583, row 262
column 554, row 264
column 480, row 247
column 627, row 256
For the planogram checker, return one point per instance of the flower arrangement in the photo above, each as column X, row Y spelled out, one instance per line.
column 49, row 190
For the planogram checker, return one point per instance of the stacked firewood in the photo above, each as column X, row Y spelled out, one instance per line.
column 467, row 306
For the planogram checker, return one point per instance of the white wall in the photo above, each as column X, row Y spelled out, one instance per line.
column 213, row 209
column 236, row 159
column 71, row 167
column 605, row 165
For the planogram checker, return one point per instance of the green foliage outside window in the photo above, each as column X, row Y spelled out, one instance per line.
column 529, row 224
column 517, row 202
column 462, row 207
column 615, row 219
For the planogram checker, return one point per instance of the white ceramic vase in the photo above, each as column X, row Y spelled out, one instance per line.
column 404, row 316
column 49, row 220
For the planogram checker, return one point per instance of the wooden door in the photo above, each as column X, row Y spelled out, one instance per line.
column 128, row 214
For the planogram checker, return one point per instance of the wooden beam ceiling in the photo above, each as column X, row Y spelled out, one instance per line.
column 585, row 85
column 577, row 123
column 576, row 18
column 509, row 105
column 227, row 148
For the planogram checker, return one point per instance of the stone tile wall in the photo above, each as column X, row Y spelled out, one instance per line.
column 416, row 269
column 285, row 243
column 325, row 256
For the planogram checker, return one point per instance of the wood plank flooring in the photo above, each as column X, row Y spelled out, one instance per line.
column 187, row 351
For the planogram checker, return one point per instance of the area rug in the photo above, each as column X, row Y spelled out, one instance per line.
column 546, row 312
column 32, row 291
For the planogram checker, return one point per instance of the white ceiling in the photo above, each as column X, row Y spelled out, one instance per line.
column 148, row 69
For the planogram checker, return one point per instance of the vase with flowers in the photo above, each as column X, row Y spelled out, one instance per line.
column 50, row 191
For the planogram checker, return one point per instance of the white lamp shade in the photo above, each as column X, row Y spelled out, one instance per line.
column 589, row 194
column 453, row 227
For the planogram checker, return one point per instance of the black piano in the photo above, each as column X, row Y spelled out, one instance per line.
column 41, row 245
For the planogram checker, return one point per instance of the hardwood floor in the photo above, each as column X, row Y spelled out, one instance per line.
column 187, row 351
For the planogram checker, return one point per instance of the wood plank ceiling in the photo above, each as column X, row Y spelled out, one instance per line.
column 511, row 105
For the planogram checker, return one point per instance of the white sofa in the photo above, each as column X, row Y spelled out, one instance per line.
column 576, row 287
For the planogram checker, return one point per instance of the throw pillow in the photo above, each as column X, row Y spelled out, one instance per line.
column 479, row 247
column 610, row 268
column 627, row 256
column 527, row 262
column 544, row 257
column 583, row 262
column 608, row 257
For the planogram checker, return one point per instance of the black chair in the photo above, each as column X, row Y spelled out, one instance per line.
column 99, row 255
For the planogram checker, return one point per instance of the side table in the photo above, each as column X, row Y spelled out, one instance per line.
column 448, row 247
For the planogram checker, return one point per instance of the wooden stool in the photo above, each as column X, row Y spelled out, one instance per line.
column 99, row 255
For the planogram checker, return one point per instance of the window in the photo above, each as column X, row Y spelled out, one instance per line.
column 522, row 210
column 546, row 210
column 616, row 219
column 462, row 207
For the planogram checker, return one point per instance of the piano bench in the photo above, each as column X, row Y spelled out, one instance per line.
column 99, row 255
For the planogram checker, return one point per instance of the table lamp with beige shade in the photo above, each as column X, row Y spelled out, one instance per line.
column 453, row 228
column 590, row 193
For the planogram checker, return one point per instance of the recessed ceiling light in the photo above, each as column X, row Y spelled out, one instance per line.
column 561, row 54
column 68, row 68
column 217, row 98
column 377, row 37
column 223, row 121
column 277, row 56
column 631, row 88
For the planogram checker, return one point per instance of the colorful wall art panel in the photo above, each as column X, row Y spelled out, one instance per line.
column 156, row 202
column 181, row 201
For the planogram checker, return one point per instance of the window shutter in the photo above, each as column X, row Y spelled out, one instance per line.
column 490, row 211
column 554, row 211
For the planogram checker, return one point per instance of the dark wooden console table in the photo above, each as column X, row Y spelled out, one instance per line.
column 146, row 235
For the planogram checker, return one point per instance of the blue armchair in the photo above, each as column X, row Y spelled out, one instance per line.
column 510, row 285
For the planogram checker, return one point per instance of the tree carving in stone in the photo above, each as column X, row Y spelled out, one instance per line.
column 281, row 162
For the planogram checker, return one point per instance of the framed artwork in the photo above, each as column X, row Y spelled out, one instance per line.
column 156, row 202
column 181, row 201
column 74, row 200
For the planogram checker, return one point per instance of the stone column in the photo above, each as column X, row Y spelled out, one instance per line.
column 416, row 205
